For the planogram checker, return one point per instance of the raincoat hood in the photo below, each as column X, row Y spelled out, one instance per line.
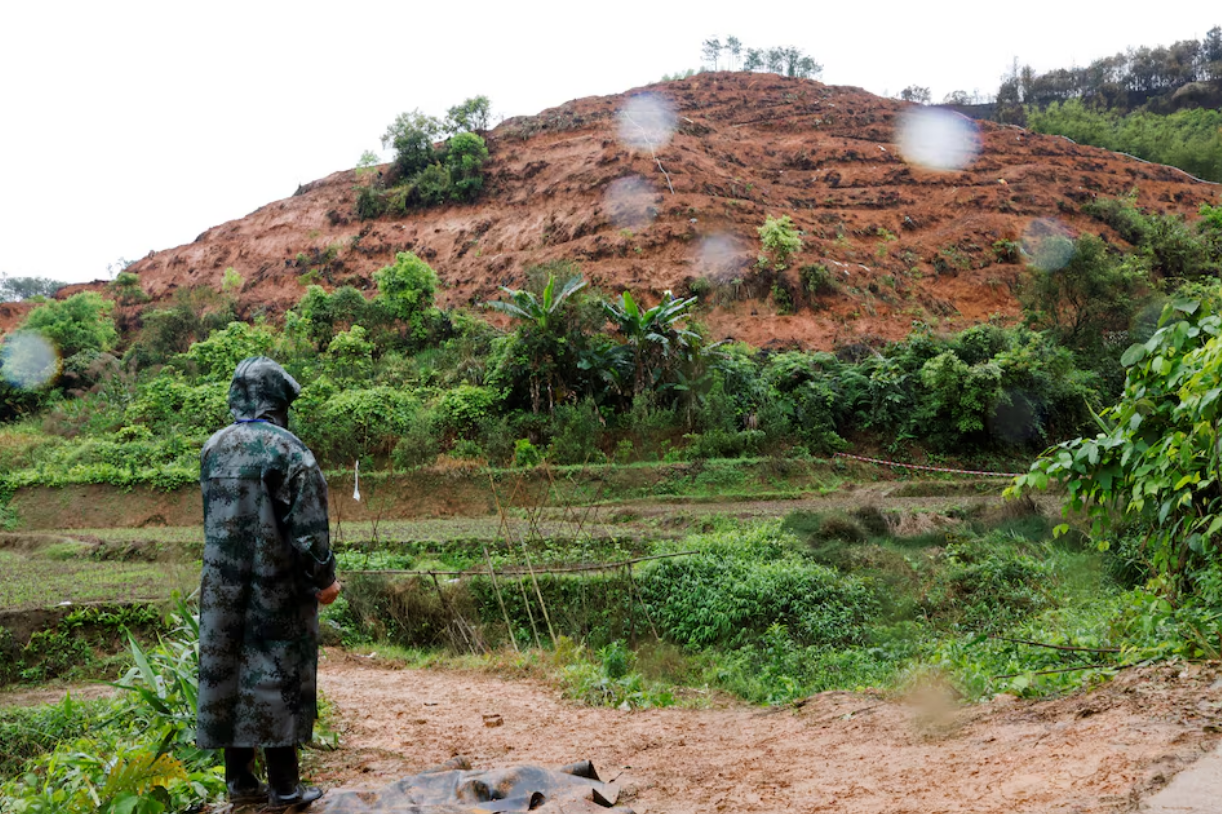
column 261, row 389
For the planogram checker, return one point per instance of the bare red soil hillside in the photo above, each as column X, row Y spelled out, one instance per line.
column 902, row 242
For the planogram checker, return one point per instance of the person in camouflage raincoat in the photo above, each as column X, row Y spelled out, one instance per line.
column 267, row 565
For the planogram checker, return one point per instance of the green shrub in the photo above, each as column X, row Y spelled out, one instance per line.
column 960, row 396
column 347, row 425
column 461, row 409
column 987, row 584
column 405, row 293
column 168, row 405
column 708, row 599
column 840, row 527
column 349, row 357
column 127, row 289
column 217, row 356
column 412, row 135
column 526, row 454
column 578, row 434
column 816, row 280
column 81, row 322
column 872, row 520
column 434, row 184
column 420, row 443
column 780, row 239
column 194, row 314
column 370, row 203
column 472, row 114
column 465, row 162
column 722, row 444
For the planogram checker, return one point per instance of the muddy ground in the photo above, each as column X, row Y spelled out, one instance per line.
column 851, row 753
column 1105, row 750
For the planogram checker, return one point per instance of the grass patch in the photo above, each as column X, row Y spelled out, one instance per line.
column 28, row 732
column 51, row 577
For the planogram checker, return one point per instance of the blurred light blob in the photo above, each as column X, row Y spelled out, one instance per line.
column 630, row 202
column 647, row 122
column 1047, row 245
column 721, row 258
column 937, row 139
column 1015, row 419
column 28, row 360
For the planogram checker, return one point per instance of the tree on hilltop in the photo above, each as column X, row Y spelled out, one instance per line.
column 786, row 61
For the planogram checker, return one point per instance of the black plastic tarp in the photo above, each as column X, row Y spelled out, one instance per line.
column 456, row 788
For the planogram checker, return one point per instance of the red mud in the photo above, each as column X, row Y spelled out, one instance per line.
column 848, row 753
column 747, row 146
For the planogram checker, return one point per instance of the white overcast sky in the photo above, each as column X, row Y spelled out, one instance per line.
column 129, row 126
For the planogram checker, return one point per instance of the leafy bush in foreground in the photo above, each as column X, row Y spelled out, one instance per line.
column 137, row 754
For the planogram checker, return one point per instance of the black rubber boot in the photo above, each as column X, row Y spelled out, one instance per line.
column 284, row 777
column 301, row 797
column 240, row 780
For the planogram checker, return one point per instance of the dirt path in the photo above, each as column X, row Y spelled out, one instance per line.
column 843, row 752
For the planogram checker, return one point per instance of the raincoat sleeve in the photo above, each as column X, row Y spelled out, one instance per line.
column 302, row 497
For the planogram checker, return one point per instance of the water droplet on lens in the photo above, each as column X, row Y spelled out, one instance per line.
column 28, row 360
column 647, row 122
column 721, row 258
column 937, row 139
column 1047, row 245
column 630, row 203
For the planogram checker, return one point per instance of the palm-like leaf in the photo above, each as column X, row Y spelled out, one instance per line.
column 525, row 306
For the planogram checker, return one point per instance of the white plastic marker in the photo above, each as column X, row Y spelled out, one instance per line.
column 356, row 491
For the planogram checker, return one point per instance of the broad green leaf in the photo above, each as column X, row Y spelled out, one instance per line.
column 1133, row 355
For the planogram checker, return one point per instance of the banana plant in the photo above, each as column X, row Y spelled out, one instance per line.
column 538, row 311
column 543, row 337
column 655, row 335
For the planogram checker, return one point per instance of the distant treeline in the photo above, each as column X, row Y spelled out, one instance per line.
column 1160, row 104
column 1162, row 79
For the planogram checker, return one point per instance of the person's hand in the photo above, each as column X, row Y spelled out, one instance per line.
column 327, row 595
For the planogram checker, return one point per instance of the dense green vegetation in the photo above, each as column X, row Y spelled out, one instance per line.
column 1149, row 479
column 132, row 755
column 773, row 611
column 1188, row 139
column 769, row 610
column 581, row 377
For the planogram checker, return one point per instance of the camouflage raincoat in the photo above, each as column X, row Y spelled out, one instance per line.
column 266, row 552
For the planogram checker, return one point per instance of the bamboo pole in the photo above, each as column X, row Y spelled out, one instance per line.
column 500, row 601
column 635, row 592
column 504, row 526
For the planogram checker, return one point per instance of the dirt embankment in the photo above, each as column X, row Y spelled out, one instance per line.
column 903, row 243
column 472, row 492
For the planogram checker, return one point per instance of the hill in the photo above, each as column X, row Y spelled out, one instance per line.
column 902, row 243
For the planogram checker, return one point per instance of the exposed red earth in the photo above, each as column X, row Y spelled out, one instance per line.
column 904, row 243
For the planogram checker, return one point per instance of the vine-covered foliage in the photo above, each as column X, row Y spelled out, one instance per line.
column 1157, row 462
